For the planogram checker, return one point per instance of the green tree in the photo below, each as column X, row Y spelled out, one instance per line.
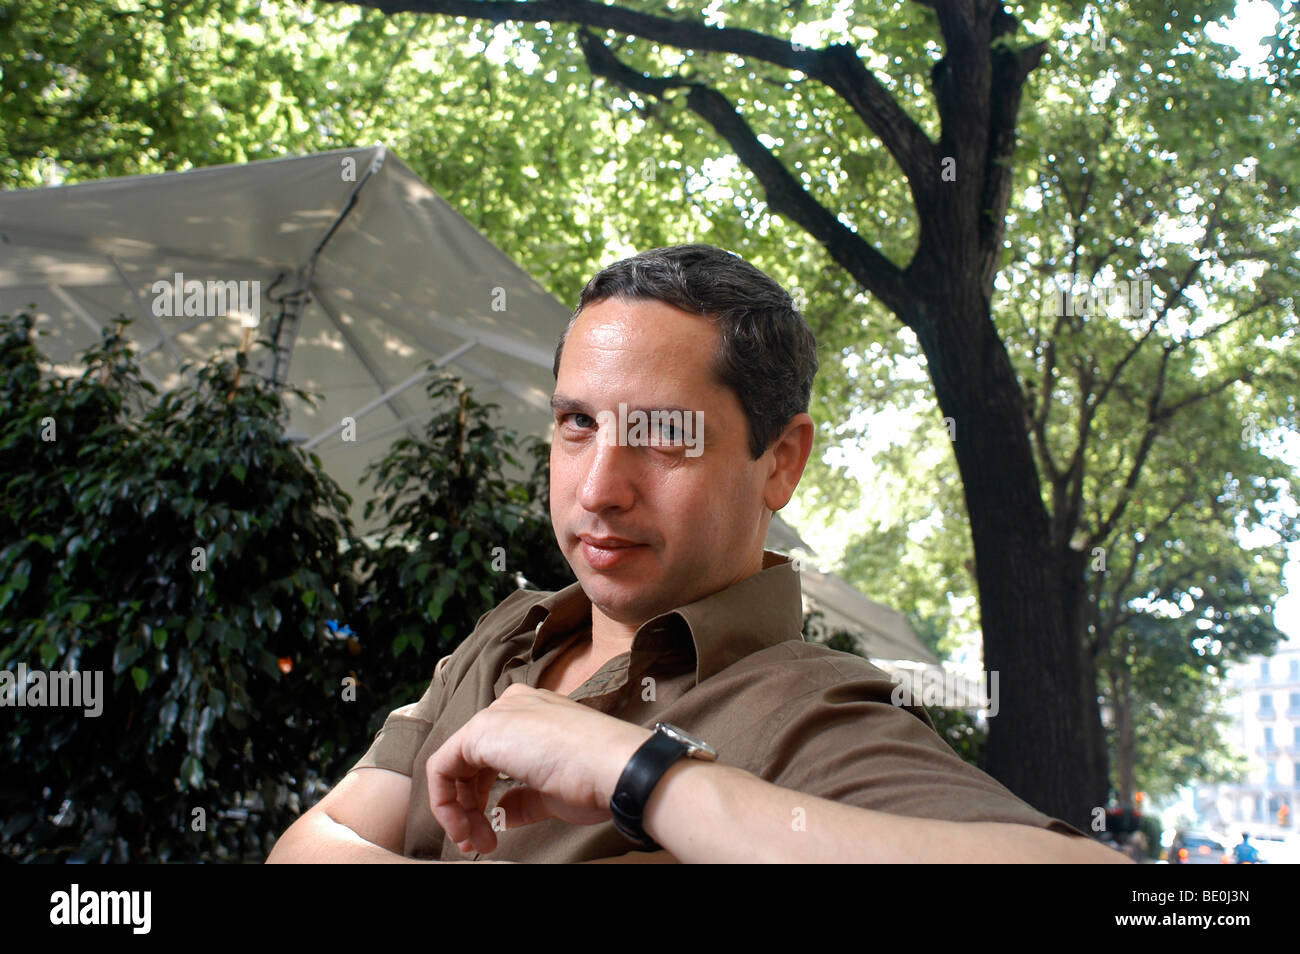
column 1171, row 606
column 189, row 555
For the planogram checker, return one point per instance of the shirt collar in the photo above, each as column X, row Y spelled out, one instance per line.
column 761, row 610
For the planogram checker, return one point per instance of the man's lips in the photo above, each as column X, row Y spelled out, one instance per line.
column 604, row 553
column 607, row 543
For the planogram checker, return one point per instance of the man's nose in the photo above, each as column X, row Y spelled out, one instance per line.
column 610, row 477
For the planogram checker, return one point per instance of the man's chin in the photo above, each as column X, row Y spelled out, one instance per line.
column 633, row 599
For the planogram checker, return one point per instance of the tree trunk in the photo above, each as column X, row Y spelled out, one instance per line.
column 1026, row 639
column 1127, row 740
column 1092, row 740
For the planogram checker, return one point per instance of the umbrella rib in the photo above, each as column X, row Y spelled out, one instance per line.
column 148, row 313
column 309, row 281
column 75, row 307
column 529, row 354
column 380, row 434
column 381, row 151
column 376, row 375
column 383, row 398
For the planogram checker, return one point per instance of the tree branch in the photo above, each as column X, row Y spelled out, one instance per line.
column 838, row 66
column 1154, row 420
column 784, row 194
column 1011, row 68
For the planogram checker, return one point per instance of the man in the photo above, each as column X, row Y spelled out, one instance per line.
column 543, row 716
column 1245, row 853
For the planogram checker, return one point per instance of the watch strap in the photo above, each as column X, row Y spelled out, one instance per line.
column 642, row 773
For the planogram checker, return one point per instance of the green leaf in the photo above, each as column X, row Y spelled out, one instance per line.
column 160, row 638
column 21, row 575
column 440, row 595
column 141, row 678
column 192, row 772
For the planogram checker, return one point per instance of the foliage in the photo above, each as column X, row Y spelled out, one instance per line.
column 190, row 555
column 206, row 567
column 459, row 537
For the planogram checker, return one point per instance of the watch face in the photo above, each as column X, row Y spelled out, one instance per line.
column 697, row 748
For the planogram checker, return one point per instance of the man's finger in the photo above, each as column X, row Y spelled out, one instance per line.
column 524, row 806
column 462, row 826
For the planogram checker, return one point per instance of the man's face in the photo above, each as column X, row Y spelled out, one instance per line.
column 695, row 522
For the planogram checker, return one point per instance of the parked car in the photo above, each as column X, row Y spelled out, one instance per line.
column 1193, row 847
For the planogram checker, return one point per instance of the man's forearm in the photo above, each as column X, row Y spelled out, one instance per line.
column 707, row 812
column 316, row 838
column 319, row 839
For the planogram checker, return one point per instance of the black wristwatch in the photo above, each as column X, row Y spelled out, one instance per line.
column 643, row 772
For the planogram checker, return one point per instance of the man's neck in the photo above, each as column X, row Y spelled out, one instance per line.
column 609, row 637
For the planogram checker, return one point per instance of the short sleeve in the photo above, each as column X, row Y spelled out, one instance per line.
column 398, row 742
column 848, row 743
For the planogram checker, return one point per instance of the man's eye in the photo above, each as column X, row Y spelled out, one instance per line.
column 584, row 417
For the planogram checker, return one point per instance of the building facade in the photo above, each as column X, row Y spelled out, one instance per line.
column 1266, row 728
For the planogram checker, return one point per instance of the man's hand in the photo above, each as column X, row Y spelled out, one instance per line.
column 568, row 756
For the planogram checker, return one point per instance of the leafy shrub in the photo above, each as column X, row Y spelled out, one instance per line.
column 206, row 567
column 460, row 537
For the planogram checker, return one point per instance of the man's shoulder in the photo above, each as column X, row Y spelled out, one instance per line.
column 798, row 676
column 800, row 667
column 811, row 660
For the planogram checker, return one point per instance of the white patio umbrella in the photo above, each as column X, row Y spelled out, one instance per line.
column 347, row 260
column 363, row 273
column 880, row 632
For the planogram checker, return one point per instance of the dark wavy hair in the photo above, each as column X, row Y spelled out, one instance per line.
column 767, row 354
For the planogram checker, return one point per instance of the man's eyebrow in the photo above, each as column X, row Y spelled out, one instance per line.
column 562, row 403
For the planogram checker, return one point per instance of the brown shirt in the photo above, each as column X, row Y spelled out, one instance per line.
column 732, row 668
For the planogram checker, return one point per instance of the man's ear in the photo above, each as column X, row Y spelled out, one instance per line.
column 789, row 455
